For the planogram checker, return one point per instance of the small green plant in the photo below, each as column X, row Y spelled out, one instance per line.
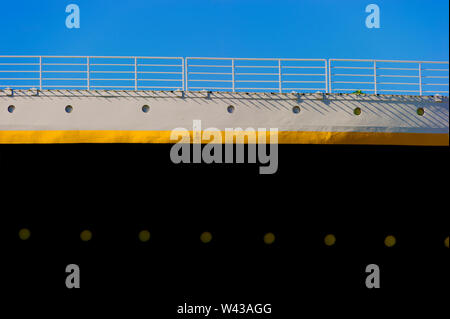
column 359, row 92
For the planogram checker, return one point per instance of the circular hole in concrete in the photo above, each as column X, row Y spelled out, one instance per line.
column 69, row 109
column 11, row 108
column 296, row 109
column 145, row 108
column 230, row 109
column 357, row 111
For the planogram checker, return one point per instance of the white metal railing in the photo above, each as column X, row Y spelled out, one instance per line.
column 239, row 74
column 388, row 76
column 95, row 72
column 224, row 74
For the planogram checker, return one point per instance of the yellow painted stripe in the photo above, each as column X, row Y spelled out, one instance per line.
column 290, row 137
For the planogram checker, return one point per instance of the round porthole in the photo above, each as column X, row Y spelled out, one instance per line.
column 269, row 238
column 145, row 108
column 329, row 240
column 69, row 109
column 230, row 109
column 206, row 237
column 144, row 236
column 420, row 111
column 24, row 234
column 390, row 241
column 296, row 109
column 11, row 108
column 86, row 235
column 357, row 111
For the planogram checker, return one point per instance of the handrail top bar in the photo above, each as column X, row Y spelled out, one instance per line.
column 221, row 58
column 88, row 56
column 394, row 61
column 254, row 59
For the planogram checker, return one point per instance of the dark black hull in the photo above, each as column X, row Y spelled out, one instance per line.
column 359, row 193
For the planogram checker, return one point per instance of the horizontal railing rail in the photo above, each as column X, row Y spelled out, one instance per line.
column 225, row 74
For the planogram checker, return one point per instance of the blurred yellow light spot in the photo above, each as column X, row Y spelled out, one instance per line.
column 206, row 237
column 446, row 242
column 24, row 233
column 330, row 240
column 86, row 235
column 144, row 235
column 390, row 241
column 269, row 238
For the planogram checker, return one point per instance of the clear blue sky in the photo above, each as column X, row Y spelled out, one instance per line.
column 410, row 29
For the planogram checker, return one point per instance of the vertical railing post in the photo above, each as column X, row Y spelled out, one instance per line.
column 326, row 76
column 232, row 73
column 279, row 76
column 329, row 77
column 40, row 73
column 420, row 79
column 375, row 76
column 135, row 74
column 88, row 73
column 186, row 78
column 182, row 74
